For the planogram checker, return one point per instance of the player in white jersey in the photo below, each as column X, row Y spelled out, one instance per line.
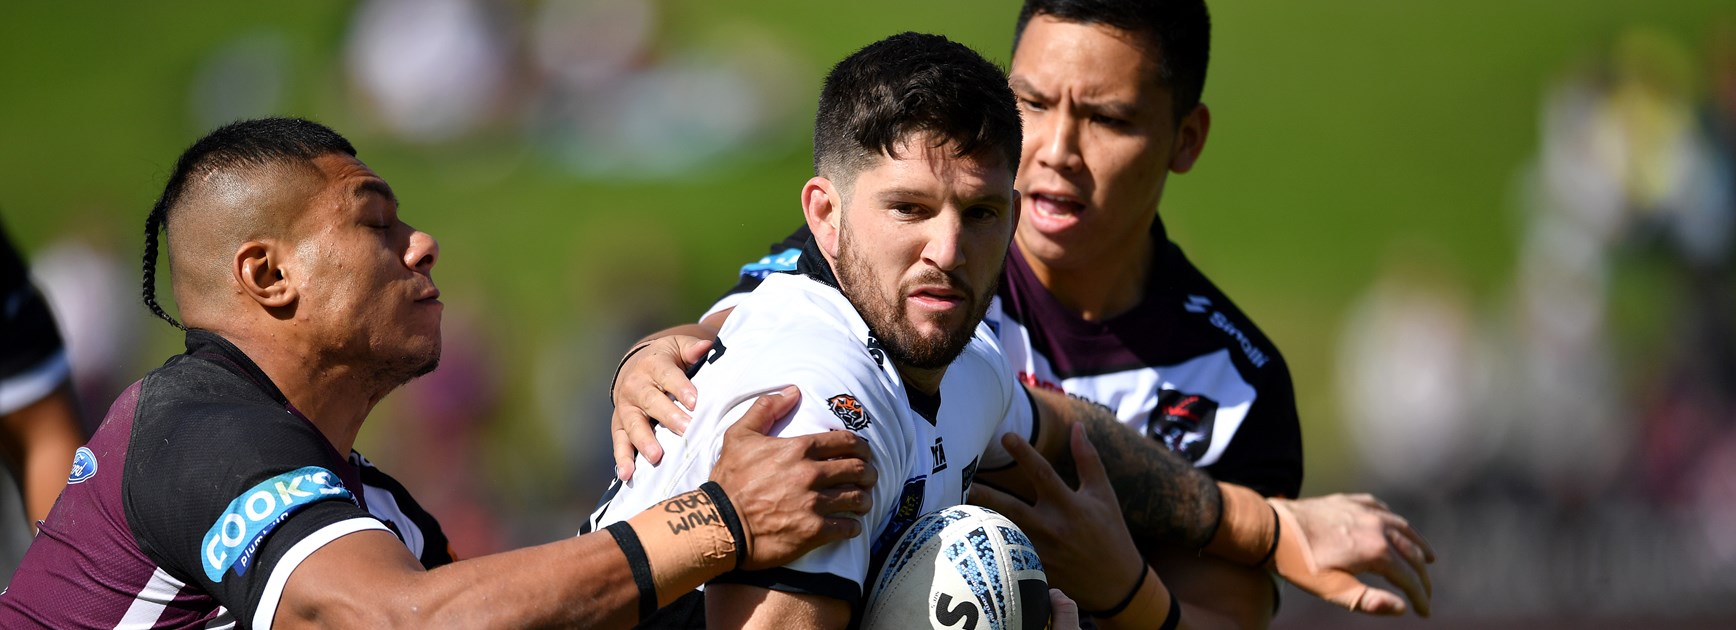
column 1099, row 303
column 797, row 328
column 912, row 210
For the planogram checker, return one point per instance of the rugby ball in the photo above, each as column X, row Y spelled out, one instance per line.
column 960, row 567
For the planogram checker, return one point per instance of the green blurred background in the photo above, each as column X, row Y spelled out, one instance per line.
column 1346, row 134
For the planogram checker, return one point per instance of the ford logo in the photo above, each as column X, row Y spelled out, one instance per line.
column 83, row 466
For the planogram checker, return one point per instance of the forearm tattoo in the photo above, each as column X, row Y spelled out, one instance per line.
column 1165, row 500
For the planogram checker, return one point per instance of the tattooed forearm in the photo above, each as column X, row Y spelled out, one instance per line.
column 1166, row 501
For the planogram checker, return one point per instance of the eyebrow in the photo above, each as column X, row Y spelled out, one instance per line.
column 908, row 193
column 1019, row 84
column 1113, row 109
column 377, row 187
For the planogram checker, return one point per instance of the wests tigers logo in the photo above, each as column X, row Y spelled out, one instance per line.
column 1183, row 422
column 850, row 410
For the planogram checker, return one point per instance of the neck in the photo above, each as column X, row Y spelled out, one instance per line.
column 1103, row 287
column 336, row 399
column 924, row 380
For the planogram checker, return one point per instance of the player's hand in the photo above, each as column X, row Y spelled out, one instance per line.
column 1079, row 534
column 792, row 494
column 1063, row 612
column 1324, row 542
column 645, row 391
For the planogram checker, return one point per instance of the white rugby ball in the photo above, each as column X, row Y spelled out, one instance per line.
column 961, row 567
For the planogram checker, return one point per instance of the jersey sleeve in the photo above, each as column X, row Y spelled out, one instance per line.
column 835, row 398
column 233, row 499
column 984, row 368
column 781, row 257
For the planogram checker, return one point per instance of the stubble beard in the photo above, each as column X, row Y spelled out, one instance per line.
column 890, row 322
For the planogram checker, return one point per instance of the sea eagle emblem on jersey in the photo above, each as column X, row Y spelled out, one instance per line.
column 1183, row 422
column 850, row 410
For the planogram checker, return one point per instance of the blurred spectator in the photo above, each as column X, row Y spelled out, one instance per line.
column 430, row 70
column 1414, row 376
column 93, row 297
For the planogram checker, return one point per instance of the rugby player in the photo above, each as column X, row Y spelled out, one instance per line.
column 912, row 208
column 223, row 490
column 1099, row 303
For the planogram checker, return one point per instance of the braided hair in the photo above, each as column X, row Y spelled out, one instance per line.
column 248, row 143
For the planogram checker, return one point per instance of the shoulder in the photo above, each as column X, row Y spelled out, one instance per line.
column 1208, row 313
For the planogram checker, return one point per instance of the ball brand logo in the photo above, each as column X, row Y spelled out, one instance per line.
column 850, row 410
column 947, row 615
column 83, row 466
column 233, row 541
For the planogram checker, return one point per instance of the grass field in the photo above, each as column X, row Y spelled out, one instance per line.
column 1345, row 133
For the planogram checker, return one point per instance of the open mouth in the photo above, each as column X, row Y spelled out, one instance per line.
column 1055, row 211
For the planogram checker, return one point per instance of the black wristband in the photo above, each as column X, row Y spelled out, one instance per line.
column 1144, row 570
column 1277, row 530
column 639, row 564
column 1173, row 619
column 623, row 364
column 726, row 511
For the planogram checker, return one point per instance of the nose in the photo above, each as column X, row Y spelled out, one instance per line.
column 423, row 251
column 1058, row 138
column 944, row 249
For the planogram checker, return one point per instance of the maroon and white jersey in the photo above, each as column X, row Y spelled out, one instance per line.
column 192, row 504
column 1184, row 367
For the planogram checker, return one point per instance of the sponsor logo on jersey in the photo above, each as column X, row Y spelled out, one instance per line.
column 1201, row 304
column 850, row 410
column 1183, row 422
column 83, row 466
column 1254, row 354
column 874, row 350
column 938, row 451
column 233, row 541
column 1032, row 380
column 785, row 261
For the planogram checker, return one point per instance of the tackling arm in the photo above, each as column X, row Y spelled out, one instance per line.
column 1318, row 544
column 607, row 578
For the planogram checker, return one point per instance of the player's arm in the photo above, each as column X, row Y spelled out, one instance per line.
column 38, row 442
column 1317, row 544
column 651, row 378
column 787, row 492
column 1081, row 536
column 745, row 606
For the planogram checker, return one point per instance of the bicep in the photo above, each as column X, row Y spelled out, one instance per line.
column 744, row 606
column 351, row 581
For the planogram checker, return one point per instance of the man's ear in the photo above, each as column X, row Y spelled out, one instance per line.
column 1190, row 139
column 822, row 207
column 259, row 272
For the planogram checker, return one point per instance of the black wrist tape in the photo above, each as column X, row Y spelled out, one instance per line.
column 1173, row 619
column 1144, row 570
column 639, row 564
column 726, row 511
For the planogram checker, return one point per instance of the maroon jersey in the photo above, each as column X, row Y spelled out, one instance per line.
column 192, row 504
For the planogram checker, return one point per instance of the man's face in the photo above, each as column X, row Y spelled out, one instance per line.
column 365, row 289
column 1099, row 140
column 921, row 246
